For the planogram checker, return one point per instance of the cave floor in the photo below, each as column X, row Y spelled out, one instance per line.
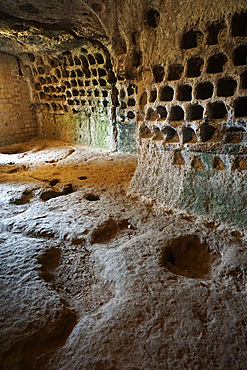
column 94, row 276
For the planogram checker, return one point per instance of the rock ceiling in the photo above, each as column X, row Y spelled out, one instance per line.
column 46, row 24
column 135, row 32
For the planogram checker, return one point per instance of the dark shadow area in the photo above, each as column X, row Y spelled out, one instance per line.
column 204, row 90
column 187, row 256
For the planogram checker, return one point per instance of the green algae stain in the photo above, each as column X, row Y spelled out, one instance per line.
column 218, row 194
column 126, row 138
column 101, row 129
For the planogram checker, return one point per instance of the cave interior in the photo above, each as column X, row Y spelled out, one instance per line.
column 143, row 103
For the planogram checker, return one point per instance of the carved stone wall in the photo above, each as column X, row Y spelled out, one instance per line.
column 192, row 124
column 72, row 91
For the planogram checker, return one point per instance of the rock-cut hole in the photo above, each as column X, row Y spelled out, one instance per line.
column 49, row 261
column 25, row 198
column 152, row 17
column 187, row 256
column 91, row 197
column 54, row 182
column 49, row 194
column 105, row 232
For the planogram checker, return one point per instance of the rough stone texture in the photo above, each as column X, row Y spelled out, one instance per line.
column 94, row 277
column 198, row 98
column 17, row 118
column 72, row 95
column 185, row 95
column 107, row 276
column 126, row 141
column 194, row 181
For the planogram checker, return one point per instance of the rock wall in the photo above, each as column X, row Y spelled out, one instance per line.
column 192, row 123
column 72, row 93
column 126, row 114
column 17, row 119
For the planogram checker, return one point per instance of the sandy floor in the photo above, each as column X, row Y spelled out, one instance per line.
column 96, row 277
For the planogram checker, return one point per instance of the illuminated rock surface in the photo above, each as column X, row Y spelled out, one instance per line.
column 97, row 277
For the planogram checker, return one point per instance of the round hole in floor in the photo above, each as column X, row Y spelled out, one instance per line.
column 91, row 197
column 187, row 256
column 54, row 182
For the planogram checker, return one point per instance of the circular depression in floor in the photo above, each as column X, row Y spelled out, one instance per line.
column 188, row 256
